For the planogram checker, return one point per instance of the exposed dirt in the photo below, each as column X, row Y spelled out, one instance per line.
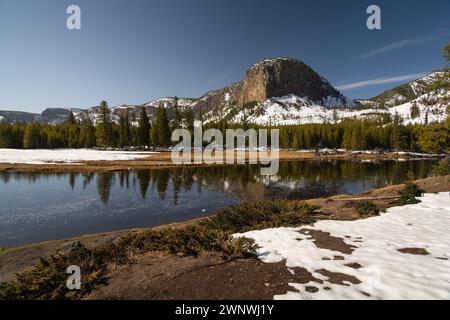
column 416, row 251
column 207, row 277
column 339, row 278
column 325, row 240
column 354, row 265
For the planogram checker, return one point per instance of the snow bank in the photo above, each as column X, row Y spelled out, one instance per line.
column 41, row 156
column 386, row 273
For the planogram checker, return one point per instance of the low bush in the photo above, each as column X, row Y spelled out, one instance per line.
column 409, row 194
column 47, row 280
column 261, row 215
column 367, row 208
column 190, row 240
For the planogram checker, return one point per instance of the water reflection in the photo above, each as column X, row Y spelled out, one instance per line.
column 44, row 206
column 295, row 179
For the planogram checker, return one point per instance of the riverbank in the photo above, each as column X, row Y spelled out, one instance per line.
column 72, row 160
column 156, row 274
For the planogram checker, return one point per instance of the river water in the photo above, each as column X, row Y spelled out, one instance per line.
column 37, row 207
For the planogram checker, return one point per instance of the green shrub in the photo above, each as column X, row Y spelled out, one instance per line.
column 240, row 247
column 261, row 215
column 367, row 208
column 47, row 280
column 409, row 194
column 442, row 168
column 189, row 240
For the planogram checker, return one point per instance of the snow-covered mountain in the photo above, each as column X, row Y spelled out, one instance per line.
column 429, row 96
column 292, row 110
column 283, row 91
column 408, row 91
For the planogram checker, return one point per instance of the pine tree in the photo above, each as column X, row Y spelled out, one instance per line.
column 32, row 136
column 104, row 130
column 6, row 136
column 189, row 120
column 124, row 131
column 176, row 123
column 396, row 132
column 87, row 132
column 335, row 116
column 447, row 52
column 162, row 123
column 347, row 139
column 144, row 128
column 200, row 113
column 154, row 134
column 433, row 138
column 414, row 110
column 73, row 136
column 70, row 119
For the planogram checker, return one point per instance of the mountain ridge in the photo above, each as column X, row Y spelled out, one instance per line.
column 274, row 91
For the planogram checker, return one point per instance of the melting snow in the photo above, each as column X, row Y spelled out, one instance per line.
column 386, row 273
column 42, row 156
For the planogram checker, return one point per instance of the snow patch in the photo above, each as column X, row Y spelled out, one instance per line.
column 44, row 156
column 386, row 273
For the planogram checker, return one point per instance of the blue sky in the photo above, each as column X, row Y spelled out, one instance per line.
column 138, row 50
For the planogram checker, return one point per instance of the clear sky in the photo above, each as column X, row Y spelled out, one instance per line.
column 133, row 51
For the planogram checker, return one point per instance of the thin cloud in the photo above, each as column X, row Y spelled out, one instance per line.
column 377, row 81
column 404, row 43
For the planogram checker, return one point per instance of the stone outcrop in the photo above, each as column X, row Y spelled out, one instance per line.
column 272, row 78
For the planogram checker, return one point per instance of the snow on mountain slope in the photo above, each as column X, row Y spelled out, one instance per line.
column 134, row 110
column 292, row 110
column 169, row 102
column 432, row 108
column 406, row 92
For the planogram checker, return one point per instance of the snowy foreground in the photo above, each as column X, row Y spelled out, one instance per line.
column 385, row 272
column 72, row 156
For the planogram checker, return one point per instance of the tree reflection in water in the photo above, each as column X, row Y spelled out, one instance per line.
column 295, row 179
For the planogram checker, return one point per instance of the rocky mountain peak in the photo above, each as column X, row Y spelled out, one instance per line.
column 280, row 77
column 274, row 77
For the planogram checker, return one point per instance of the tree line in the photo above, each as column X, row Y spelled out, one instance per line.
column 104, row 133
column 368, row 135
column 351, row 134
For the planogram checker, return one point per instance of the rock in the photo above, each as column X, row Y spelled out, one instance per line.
column 280, row 77
column 312, row 289
column 271, row 78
